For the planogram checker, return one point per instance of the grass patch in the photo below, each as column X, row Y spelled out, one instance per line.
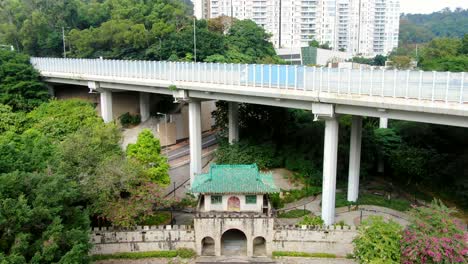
column 182, row 252
column 373, row 199
column 302, row 254
column 296, row 213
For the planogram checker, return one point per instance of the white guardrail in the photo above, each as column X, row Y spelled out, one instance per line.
column 419, row 85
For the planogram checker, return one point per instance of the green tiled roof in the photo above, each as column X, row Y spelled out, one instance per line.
column 234, row 179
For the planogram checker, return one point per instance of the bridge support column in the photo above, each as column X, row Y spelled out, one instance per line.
column 195, row 137
column 330, row 153
column 233, row 116
column 144, row 106
column 383, row 123
column 354, row 158
column 106, row 106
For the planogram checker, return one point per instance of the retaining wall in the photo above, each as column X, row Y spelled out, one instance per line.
column 334, row 240
column 143, row 238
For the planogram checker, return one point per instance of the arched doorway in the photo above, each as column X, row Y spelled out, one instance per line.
column 259, row 246
column 233, row 243
column 208, row 246
column 234, row 204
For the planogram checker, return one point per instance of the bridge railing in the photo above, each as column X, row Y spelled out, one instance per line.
column 420, row 85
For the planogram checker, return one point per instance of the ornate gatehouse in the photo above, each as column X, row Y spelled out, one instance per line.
column 234, row 213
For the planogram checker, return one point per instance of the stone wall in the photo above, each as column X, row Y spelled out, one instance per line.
column 144, row 238
column 280, row 238
column 314, row 239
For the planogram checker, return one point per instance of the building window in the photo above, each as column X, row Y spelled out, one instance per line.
column 216, row 199
column 251, row 199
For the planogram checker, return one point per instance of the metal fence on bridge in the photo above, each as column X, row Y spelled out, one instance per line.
column 420, row 85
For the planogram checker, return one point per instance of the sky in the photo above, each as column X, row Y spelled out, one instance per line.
column 429, row 6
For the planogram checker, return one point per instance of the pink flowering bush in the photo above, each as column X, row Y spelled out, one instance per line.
column 434, row 236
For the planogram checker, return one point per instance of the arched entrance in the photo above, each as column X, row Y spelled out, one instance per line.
column 234, row 204
column 208, row 246
column 233, row 243
column 259, row 246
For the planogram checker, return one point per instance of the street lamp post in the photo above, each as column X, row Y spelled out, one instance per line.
column 165, row 129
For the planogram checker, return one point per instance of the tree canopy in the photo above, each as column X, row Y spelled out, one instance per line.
column 20, row 85
column 61, row 167
column 130, row 29
column 422, row 28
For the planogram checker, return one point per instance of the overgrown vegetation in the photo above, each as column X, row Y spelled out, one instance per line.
column 378, row 241
column 182, row 253
column 302, row 254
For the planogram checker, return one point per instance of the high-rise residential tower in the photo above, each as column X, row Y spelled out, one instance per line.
column 366, row 27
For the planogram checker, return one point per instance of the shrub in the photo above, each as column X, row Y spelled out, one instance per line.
column 147, row 152
column 311, row 221
column 434, row 236
column 302, row 254
column 378, row 241
column 296, row 213
column 128, row 119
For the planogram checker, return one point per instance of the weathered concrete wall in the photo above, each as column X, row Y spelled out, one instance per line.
column 142, row 239
column 315, row 240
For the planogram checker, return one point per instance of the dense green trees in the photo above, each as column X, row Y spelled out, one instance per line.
column 445, row 54
column 20, row 85
column 40, row 220
column 421, row 28
column 130, row 29
column 61, row 165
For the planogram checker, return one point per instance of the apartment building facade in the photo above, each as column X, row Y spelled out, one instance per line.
column 366, row 27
